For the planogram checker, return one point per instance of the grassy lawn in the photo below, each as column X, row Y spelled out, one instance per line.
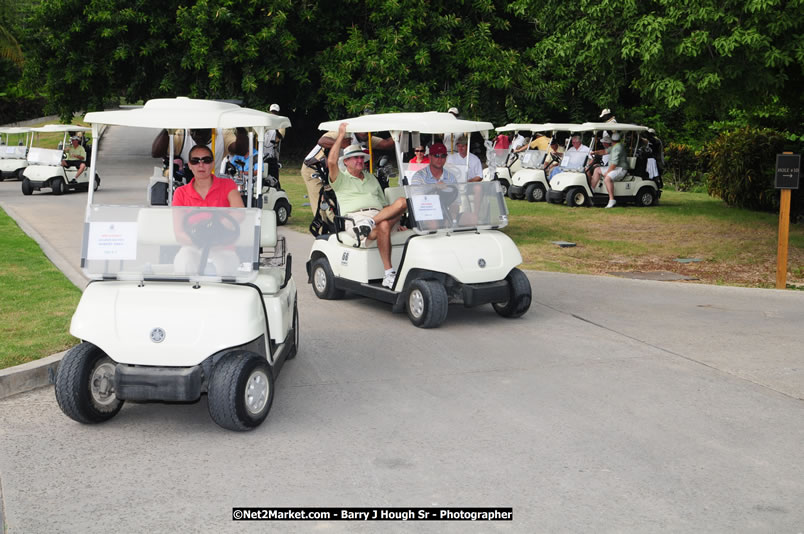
column 37, row 300
column 737, row 247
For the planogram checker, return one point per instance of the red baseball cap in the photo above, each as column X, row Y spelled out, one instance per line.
column 438, row 148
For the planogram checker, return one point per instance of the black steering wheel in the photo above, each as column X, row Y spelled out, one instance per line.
column 208, row 228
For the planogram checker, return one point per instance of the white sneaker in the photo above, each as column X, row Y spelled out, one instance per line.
column 388, row 279
column 611, row 203
column 364, row 228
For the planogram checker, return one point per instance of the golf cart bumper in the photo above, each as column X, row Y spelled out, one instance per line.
column 516, row 190
column 479, row 294
column 158, row 383
column 555, row 196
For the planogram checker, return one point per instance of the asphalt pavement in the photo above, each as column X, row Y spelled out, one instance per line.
column 614, row 405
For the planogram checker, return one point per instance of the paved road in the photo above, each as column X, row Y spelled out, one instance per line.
column 613, row 405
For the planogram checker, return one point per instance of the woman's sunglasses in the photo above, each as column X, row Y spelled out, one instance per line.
column 206, row 159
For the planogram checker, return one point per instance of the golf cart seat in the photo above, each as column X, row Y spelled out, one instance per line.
column 45, row 156
column 397, row 238
column 534, row 159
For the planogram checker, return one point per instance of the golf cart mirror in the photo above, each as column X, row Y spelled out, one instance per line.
column 181, row 243
column 456, row 207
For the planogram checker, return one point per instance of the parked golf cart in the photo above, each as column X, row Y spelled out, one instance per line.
column 529, row 181
column 640, row 186
column 45, row 169
column 453, row 251
column 181, row 301
column 502, row 163
column 274, row 198
column 13, row 152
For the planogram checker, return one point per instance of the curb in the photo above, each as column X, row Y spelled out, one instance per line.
column 28, row 376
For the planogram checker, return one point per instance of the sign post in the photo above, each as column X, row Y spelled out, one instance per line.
column 788, row 166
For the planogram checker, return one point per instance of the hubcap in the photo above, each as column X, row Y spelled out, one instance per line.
column 647, row 199
column 256, row 395
column 320, row 279
column 416, row 303
column 282, row 214
column 101, row 384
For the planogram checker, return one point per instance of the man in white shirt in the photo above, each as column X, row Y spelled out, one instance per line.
column 576, row 146
column 459, row 159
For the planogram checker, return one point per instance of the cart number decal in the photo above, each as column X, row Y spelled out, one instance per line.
column 628, row 186
column 345, row 258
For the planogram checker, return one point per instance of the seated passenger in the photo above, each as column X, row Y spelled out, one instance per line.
column 76, row 156
column 206, row 189
column 435, row 173
column 459, row 159
column 575, row 146
column 361, row 199
column 553, row 158
column 616, row 170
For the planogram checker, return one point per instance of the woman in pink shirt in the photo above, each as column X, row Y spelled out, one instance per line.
column 206, row 189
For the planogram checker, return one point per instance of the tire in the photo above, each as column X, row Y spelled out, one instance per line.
column 645, row 197
column 27, row 188
column 3, row 176
column 282, row 209
column 295, row 325
column 504, row 187
column 85, row 385
column 426, row 303
column 97, row 183
column 519, row 295
column 535, row 192
column 577, row 197
column 241, row 391
column 324, row 281
column 58, row 186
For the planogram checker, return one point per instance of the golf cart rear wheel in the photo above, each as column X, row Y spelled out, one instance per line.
column 645, row 197
column 85, row 385
column 27, row 188
column 282, row 209
column 295, row 325
column 241, row 391
column 426, row 303
column 503, row 187
column 58, row 186
column 97, row 183
column 535, row 192
column 519, row 295
column 324, row 281
column 577, row 197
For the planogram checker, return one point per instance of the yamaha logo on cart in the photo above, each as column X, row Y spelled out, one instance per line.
column 157, row 335
column 481, row 263
column 345, row 258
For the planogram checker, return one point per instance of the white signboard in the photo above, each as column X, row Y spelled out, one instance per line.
column 427, row 208
column 112, row 241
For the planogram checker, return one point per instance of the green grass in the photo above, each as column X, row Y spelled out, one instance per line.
column 37, row 300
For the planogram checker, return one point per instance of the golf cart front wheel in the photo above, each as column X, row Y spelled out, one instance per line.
column 295, row 325
column 427, row 303
column 577, row 197
column 519, row 295
column 58, row 186
column 97, row 182
column 535, row 192
column 282, row 209
column 324, row 281
column 85, row 385
column 645, row 197
column 241, row 391
column 503, row 187
column 27, row 188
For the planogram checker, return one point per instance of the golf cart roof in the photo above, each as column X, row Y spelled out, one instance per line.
column 15, row 130
column 183, row 112
column 61, row 128
column 423, row 122
column 546, row 127
column 615, row 126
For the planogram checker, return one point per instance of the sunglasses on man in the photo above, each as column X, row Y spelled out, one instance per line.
column 206, row 159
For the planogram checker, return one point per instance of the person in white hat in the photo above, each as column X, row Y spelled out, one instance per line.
column 76, row 156
column 616, row 170
column 271, row 141
column 361, row 199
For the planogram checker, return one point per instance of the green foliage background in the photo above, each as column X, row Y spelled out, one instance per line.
column 683, row 68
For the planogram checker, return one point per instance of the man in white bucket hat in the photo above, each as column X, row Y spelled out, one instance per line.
column 361, row 198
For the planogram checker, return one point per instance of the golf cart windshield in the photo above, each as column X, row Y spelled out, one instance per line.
column 178, row 243
column 574, row 161
column 454, row 207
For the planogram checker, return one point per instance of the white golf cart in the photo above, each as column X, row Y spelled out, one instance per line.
column 13, row 154
column 640, row 185
column 45, row 169
column 453, row 251
column 274, row 198
column 181, row 302
column 529, row 181
column 502, row 163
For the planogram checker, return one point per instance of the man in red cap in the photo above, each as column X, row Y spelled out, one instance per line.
column 435, row 172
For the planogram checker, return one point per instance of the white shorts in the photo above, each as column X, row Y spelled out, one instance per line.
column 617, row 174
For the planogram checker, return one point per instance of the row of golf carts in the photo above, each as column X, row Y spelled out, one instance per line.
column 522, row 174
column 184, row 302
column 38, row 167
